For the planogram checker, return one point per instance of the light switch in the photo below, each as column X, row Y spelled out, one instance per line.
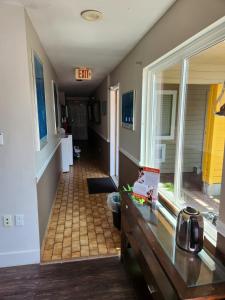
column 19, row 220
column 1, row 138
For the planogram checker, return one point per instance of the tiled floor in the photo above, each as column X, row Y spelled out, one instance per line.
column 81, row 224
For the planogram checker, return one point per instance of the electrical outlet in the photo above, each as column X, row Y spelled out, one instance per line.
column 7, row 221
column 19, row 220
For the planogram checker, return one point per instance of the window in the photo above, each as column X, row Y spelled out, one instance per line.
column 168, row 114
column 182, row 132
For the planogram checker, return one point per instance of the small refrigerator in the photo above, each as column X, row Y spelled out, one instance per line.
column 66, row 152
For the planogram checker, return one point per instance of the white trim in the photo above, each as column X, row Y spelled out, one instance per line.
column 16, row 258
column 115, row 180
column 180, row 132
column 45, row 165
column 163, row 150
column 56, row 129
column 114, row 129
column 131, row 157
column 204, row 39
column 102, row 136
column 173, row 115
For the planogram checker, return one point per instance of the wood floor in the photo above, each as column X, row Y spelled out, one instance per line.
column 96, row 279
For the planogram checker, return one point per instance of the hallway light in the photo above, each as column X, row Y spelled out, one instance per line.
column 91, row 15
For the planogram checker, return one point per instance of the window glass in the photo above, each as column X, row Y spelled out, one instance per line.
column 164, row 146
column 204, row 132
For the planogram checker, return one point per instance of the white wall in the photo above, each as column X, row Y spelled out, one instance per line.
column 18, row 245
column 34, row 44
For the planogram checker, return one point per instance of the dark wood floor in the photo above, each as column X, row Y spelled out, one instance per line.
column 98, row 279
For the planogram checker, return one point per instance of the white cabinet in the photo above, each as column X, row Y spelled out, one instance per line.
column 66, row 152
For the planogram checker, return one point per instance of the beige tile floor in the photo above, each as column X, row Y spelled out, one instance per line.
column 81, row 224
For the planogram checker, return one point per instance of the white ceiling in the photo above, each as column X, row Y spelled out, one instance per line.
column 70, row 41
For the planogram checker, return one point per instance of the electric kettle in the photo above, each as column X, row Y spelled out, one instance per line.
column 190, row 230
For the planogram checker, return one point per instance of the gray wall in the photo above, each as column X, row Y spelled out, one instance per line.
column 197, row 96
column 46, row 190
column 183, row 20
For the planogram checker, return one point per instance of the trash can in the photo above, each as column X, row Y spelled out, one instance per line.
column 114, row 203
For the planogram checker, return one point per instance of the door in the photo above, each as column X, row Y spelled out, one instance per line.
column 78, row 120
column 114, row 134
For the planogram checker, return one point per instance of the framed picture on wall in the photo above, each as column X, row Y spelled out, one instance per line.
column 39, row 89
column 128, row 99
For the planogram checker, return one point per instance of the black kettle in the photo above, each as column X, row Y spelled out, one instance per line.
column 190, row 230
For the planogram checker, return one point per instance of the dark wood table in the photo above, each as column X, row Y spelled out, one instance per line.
column 169, row 272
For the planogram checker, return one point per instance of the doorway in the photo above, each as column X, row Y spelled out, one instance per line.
column 77, row 114
column 114, row 134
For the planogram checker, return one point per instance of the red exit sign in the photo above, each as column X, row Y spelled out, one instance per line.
column 83, row 73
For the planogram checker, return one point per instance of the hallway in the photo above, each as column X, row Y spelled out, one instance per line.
column 81, row 224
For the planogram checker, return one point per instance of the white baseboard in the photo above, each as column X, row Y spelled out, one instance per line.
column 19, row 258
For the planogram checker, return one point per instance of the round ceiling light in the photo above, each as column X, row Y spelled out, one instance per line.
column 91, row 15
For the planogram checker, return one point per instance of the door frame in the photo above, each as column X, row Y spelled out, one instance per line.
column 114, row 132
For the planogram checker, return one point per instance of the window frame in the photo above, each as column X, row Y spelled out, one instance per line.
column 56, row 110
column 207, row 38
column 171, row 136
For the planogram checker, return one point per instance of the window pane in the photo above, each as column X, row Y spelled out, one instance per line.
column 167, row 104
column 167, row 89
column 204, row 134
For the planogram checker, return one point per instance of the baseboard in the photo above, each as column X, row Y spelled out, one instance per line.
column 19, row 258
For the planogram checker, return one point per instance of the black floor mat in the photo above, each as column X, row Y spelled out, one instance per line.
column 101, row 185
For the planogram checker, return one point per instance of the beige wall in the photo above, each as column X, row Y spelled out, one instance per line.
column 46, row 190
column 19, row 245
column 102, row 94
column 34, row 44
column 183, row 20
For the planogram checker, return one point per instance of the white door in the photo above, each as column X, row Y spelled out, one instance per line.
column 114, row 134
column 78, row 120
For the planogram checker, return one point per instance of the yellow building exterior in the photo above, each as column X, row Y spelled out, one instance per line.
column 213, row 151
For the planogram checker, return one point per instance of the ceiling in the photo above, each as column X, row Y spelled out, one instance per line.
column 70, row 41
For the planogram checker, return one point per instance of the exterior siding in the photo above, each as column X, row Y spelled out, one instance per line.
column 194, row 130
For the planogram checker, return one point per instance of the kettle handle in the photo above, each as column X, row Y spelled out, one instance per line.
column 194, row 233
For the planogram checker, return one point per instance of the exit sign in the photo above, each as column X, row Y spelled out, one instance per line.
column 83, row 73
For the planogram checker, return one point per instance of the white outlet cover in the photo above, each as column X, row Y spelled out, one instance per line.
column 1, row 138
column 7, row 221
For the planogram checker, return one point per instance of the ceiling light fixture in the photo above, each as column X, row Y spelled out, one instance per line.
column 91, row 15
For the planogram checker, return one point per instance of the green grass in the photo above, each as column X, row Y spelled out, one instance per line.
column 169, row 186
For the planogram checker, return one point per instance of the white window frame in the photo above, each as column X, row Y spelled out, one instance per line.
column 173, row 116
column 161, row 147
column 207, row 38
column 56, row 128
